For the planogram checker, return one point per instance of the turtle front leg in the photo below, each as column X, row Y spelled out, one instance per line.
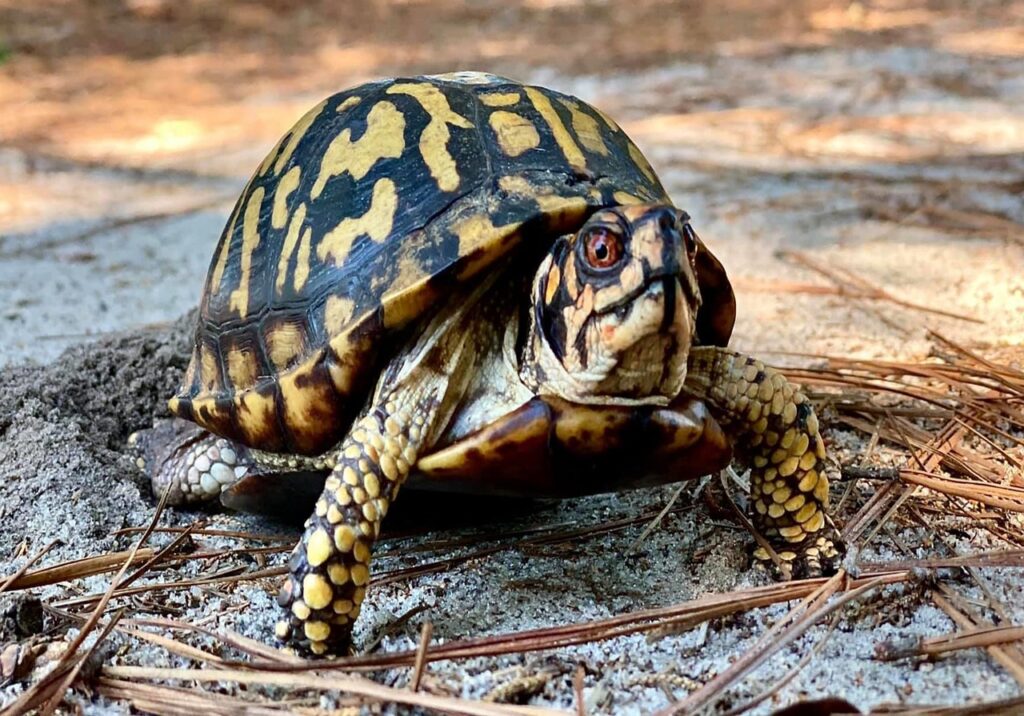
column 188, row 463
column 330, row 567
column 775, row 430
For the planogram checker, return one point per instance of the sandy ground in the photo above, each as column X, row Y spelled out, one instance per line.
column 880, row 139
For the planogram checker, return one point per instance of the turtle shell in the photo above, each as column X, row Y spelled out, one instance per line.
column 365, row 214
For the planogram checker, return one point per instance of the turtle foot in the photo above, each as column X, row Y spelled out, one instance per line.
column 188, row 463
column 819, row 555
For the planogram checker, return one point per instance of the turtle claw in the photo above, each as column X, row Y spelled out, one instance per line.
column 336, row 649
column 823, row 557
column 820, row 555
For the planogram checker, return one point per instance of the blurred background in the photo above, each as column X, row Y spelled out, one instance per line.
column 844, row 159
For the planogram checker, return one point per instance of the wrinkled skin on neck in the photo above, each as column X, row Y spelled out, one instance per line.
column 613, row 309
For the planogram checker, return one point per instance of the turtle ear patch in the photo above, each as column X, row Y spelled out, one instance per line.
column 553, row 283
column 555, row 274
column 552, row 294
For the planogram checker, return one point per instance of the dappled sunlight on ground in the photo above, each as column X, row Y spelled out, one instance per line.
column 993, row 42
column 863, row 17
column 156, row 81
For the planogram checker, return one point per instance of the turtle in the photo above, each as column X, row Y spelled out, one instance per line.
column 462, row 282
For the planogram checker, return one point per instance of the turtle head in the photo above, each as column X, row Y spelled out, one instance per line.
column 614, row 308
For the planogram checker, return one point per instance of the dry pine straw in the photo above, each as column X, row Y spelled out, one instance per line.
column 958, row 419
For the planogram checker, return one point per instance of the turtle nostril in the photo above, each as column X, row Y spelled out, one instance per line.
column 671, row 285
column 667, row 220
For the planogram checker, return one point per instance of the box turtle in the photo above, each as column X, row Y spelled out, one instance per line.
column 472, row 284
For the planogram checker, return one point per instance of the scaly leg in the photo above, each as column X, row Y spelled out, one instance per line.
column 775, row 429
column 330, row 566
column 195, row 466
column 190, row 464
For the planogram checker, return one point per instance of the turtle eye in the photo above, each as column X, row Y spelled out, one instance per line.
column 603, row 247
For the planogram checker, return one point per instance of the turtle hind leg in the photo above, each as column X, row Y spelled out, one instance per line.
column 775, row 431
column 188, row 463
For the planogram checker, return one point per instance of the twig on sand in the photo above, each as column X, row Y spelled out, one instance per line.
column 797, row 621
column 13, row 579
column 48, row 693
column 114, row 224
column 355, row 685
column 421, row 655
column 967, row 639
column 781, row 682
column 1000, row 653
column 859, row 287
column 653, row 524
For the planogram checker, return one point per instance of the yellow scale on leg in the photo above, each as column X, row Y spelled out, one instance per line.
column 777, row 433
column 330, row 567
